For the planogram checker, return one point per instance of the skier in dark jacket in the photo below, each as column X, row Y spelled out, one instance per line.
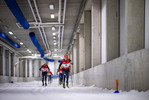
column 65, row 63
column 44, row 68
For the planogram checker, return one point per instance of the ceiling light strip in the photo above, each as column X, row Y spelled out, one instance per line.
column 8, row 40
column 10, row 48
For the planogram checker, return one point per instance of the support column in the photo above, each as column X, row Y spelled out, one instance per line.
column 21, row 68
column 4, row 62
column 7, row 62
column 36, row 68
column 81, row 48
column 74, row 57
column 25, row 68
column 30, row 67
column 77, row 51
column 56, row 66
column 10, row 63
column 132, row 18
column 96, row 34
column 1, row 61
column 13, row 58
column 17, row 67
column 72, row 52
column 110, row 30
column 87, row 32
column 51, row 66
column 146, row 23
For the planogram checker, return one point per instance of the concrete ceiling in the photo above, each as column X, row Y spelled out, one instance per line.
column 8, row 23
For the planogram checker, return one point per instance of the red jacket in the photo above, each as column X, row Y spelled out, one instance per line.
column 49, row 73
column 44, row 68
column 60, row 71
column 65, row 63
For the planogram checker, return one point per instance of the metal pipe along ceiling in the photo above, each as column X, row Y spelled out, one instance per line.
column 38, row 27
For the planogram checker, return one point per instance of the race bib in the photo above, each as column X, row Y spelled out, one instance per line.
column 49, row 73
column 44, row 69
column 66, row 65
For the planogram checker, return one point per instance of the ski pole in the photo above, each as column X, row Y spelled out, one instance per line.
column 71, row 78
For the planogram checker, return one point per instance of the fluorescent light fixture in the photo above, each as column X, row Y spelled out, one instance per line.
column 52, row 16
column 21, row 43
column 14, row 37
column 28, row 50
column 51, row 6
column 54, row 40
column 53, row 28
column 54, row 33
column 55, row 49
column 10, row 33
column 54, row 43
column 32, row 54
column 5, row 27
column 54, row 37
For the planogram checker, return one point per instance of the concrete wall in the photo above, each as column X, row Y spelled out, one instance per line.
column 132, row 25
column 96, row 33
column 1, row 61
column 135, row 25
column 131, row 70
column 87, row 34
column 146, row 23
column 7, row 79
column 123, row 30
column 81, row 48
column 112, row 29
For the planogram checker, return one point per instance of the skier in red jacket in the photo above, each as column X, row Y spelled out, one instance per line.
column 50, row 74
column 44, row 68
column 65, row 63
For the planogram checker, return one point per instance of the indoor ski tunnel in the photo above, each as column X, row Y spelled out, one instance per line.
column 74, row 49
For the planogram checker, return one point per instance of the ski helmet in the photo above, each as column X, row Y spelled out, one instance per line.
column 65, row 56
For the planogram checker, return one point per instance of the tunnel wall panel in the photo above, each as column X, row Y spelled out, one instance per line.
column 131, row 70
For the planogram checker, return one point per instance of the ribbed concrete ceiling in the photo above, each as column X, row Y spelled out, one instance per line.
column 8, row 23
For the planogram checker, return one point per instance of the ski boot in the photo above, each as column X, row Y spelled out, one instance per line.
column 63, row 85
column 67, row 85
column 42, row 84
column 45, row 84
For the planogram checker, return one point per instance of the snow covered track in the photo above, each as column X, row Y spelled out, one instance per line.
column 34, row 91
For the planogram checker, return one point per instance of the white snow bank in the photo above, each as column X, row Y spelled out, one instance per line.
column 34, row 91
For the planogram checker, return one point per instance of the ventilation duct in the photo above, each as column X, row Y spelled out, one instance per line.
column 7, row 39
column 35, row 42
column 14, row 8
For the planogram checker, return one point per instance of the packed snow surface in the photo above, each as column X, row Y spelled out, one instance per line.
column 35, row 91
